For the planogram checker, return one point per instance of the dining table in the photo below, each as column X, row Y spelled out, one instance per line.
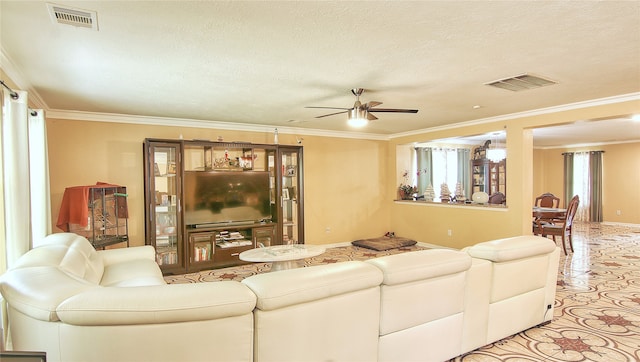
column 548, row 213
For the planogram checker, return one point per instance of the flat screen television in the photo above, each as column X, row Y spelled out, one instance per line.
column 214, row 197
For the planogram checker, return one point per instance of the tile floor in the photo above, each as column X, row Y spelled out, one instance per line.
column 597, row 309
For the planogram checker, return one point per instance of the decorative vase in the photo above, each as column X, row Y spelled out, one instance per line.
column 480, row 197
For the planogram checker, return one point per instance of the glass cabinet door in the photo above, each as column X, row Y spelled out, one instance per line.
column 291, row 195
column 164, row 229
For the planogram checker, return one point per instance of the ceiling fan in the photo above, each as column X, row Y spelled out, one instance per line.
column 360, row 114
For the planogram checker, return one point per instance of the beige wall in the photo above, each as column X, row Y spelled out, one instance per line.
column 344, row 178
column 350, row 184
column 620, row 180
column 468, row 225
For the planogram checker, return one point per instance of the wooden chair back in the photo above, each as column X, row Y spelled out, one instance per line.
column 571, row 212
column 547, row 200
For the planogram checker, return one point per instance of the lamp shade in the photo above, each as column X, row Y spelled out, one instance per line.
column 496, row 154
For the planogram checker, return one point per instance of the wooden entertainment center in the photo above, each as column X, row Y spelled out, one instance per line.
column 206, row 201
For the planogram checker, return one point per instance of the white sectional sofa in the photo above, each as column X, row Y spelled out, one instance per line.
column 78, row 304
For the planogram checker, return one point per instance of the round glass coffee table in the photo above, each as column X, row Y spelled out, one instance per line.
column 282, row 256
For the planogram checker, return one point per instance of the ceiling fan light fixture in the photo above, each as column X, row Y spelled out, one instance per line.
column 357, row 118
column 496, row 153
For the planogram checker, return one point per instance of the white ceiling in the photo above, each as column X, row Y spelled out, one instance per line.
column 262, row 62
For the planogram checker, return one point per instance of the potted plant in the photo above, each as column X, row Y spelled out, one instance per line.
column 406, row 192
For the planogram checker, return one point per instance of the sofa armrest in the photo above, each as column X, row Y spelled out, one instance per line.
column 114, row 256
column 157, row 304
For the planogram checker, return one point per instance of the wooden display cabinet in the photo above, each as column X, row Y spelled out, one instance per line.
column 186, row 219
column 218, row 247
column 489, row 177
column 290, row 213
column 163, row 200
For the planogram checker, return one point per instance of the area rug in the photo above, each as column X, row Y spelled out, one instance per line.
column 332, row 255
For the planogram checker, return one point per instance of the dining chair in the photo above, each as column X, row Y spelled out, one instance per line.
column 547, row 200
column 563, row 228
column 497, row 198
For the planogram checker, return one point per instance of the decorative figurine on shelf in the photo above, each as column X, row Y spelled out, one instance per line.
column 445, row 194
column 460, row 193
column 406, row 191
column 429, row 193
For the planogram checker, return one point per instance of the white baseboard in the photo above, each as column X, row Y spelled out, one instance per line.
column 621, row 224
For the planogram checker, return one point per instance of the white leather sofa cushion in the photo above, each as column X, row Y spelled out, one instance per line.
column 516, row 247
column 421, row 313
column 319, row 313
column 288, row 287
column 520, row 264
column 30, row 291
column 73, row 255
column 133, row 273
column 157, row 304
column 419, row 265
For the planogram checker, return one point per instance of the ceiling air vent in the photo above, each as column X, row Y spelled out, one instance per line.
column 521, row 82
column 72, row 16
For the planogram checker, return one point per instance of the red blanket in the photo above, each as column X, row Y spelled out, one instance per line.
column 75, row 205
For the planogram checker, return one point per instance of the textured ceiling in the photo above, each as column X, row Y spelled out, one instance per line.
column 262, row 62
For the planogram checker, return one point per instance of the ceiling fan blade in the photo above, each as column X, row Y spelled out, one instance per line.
column 333, row 114
column 372, row 104
column 395, row 110
column 330, row 108
column 371, row 117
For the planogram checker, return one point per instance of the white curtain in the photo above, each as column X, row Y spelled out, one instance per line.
column 39, row 174
column 445, row 170
column 25, row 176
column 581, row 185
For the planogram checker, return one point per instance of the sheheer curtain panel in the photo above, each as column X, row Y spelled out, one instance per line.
column 424, row 158
column 464, row 170
column 595, row 175
column 568, row 177
column 584, row 177
column 26, row 210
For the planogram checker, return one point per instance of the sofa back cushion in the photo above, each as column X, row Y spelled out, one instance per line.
column 323, row 313
column 519, row 264
column 65, row 260
column 420, row 287
column 70, row 252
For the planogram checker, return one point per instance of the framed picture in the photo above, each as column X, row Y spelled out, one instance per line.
column 171, row 168
column 285, row 194
column 290, row 170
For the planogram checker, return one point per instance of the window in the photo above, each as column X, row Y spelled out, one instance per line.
column 580, row 184
column 441, row 166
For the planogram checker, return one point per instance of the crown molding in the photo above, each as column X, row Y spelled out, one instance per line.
column 195, row 123
column 536, row 112
column 582, row 145
column 11, row 70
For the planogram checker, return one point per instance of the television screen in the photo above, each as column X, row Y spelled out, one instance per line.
column 226, row 197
